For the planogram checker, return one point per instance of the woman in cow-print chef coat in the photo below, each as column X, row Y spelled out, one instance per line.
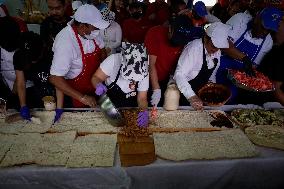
column 127, row 79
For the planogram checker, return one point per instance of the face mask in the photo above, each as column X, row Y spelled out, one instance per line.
column 93, row 35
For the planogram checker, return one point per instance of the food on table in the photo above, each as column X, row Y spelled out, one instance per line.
column 184, row 119
column 250, row 117
column 131, row 128
column 258, row 83
column 83, row 122
column 134, row 151
column 266, row 135
column 230, row 143
column 14, row 123
column 94, row 150
column 221, row 120
column 213, row 94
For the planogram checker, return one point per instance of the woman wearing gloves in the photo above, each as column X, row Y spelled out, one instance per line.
column 127, row 79
column 199, row 62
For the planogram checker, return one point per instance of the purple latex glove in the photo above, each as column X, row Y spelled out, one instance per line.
column 58, row 114
column 100, row 89
column 143, row 118
column 25, row 113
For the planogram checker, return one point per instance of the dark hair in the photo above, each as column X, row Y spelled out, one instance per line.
column 9, row 33
column 61, row 1
column 32, row 44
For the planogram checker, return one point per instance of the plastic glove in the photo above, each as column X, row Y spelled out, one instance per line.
column 25, row 113
column 156, row 97
column 58, row 114
column 248, row 66
column 100, row 89
column 143, row 118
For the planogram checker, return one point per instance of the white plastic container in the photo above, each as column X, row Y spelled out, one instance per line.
column 172, row 96
column 49, row 103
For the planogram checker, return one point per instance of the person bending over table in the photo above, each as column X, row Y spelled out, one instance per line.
column 32, row 69
column 76, row 57
column 127, row 79
column 199, row 62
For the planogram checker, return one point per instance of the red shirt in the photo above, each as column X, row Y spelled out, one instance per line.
column 157, row 43
column 134, row 31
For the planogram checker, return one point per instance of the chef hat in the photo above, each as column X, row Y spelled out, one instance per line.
column 134, row 61
column 108, row 15
column 200, row 8
column 2, row 12
column 89, row 14
column 271, row 18
column 218, row 32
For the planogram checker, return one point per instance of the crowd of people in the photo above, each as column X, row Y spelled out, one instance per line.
column 131, row 51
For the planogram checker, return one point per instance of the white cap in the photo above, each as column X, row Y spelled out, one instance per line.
column 218, row 32
column 2, row 12
column 89, row 14
column 76, row 5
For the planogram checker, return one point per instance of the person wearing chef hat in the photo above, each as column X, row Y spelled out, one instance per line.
column 199, row 62
column 76, row 57
column 249, row 41
column 112, row 35
column 127, row 79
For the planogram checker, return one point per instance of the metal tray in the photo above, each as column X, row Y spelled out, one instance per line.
column 244, row 86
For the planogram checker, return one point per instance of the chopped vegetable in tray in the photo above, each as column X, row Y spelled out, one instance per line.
column 256, row 117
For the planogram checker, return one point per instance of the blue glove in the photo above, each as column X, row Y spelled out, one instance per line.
column 25, row 113
column 100, row 89
column 143, row 118
column 58, row 114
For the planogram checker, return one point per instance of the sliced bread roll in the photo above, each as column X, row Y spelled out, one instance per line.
column 203, row 145
column 94, row 150
column 266, row 135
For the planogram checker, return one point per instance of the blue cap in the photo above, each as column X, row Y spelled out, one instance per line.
column 200, row 8
column 271, row 18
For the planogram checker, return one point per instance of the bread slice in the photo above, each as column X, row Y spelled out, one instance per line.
column 184, row 119
column 24, row 151
column 94, row 150
column 6, row 142
column 55, row 148
column 180, row 146
column 84, row 122
column 46, row 119
column 266, row 135
column 22, row 126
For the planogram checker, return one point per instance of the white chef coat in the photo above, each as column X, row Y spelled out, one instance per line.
column 67, row 59
column 8, row 71
column 110, row 66
column 112, row 36
column 190, row 63
column 239, row 22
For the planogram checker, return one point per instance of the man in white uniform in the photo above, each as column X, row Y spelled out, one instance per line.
column 77, row 55
column 199, row 62
column 250, row 40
